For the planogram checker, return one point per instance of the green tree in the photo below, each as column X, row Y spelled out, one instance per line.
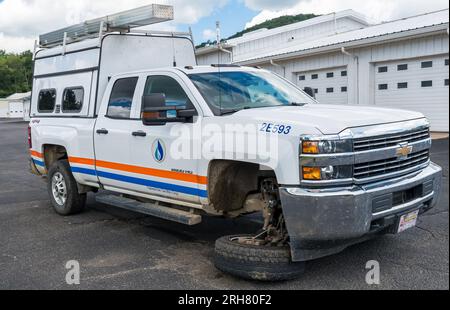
column 16, row 73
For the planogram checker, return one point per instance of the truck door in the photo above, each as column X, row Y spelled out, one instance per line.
column 112, row 134
column 162, row 154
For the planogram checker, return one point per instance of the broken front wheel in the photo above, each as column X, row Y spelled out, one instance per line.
column 246, row 258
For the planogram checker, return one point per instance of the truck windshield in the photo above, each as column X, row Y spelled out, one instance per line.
column 229, row 92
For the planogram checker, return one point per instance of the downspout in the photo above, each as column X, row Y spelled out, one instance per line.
column 355, row 57
column 226, row 51
column 279, row 66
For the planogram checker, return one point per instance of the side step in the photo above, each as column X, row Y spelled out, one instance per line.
column 151, row 209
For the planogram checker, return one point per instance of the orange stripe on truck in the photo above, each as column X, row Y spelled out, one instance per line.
column 36, row 154
column 142, row 170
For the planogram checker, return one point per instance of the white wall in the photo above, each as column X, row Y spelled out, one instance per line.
column 214, row 58
column 4, row 106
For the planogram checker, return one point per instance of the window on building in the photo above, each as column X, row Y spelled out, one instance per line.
column 302, row 77
column 330, row 75
column 73, row 100
column 344, row 73
column 427, row 83
column 383, row 69
column 316, row 90
column 446, row 62
column 402, row 67
column 383, row 87
column 121, row 98
column 330, row 90
column 46, row 101
column 446, row 82
column 427, row 64
column 402, row 85
column 344, row 89
column 314, row 76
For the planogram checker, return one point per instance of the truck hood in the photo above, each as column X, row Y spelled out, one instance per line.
column 330, row 119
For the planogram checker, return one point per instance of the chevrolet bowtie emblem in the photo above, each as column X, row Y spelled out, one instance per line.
column 404, row 151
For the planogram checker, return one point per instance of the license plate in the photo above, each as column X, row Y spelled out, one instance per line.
column 408, row 221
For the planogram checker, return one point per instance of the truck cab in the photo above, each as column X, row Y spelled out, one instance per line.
column 131, row 117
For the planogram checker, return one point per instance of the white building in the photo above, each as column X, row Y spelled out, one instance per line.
column 16, row 106
column 348, row 60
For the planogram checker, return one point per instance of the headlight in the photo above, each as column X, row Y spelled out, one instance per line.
column 327, row 173
column 327, row 147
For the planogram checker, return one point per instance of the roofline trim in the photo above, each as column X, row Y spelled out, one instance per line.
column 424, row 31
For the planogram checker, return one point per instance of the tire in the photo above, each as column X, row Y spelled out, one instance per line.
column 261, row 263
column 66, row 201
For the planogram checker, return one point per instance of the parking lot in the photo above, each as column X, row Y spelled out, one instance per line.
column 123, row 250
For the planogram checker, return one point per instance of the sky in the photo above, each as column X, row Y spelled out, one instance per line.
column 21, row 21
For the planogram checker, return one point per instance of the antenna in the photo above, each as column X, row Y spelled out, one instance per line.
column 218, row 60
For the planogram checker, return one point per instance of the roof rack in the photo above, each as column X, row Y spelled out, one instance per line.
column 122, row 22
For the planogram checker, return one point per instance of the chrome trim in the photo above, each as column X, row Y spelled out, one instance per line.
column 391, row 175
column 385, row 129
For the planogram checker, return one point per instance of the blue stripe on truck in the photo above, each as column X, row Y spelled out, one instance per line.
column 143, row 182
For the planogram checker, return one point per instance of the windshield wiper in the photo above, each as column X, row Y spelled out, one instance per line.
column 227, row 112
column 297, row 104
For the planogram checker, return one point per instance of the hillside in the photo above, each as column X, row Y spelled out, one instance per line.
column 269, row 24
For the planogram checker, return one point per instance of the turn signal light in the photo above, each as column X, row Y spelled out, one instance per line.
column 312, row 173
column 310, row 147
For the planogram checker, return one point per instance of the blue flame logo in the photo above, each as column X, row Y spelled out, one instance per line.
column 158, row 151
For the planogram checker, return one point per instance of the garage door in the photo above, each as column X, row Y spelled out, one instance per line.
column 16, row 110
column 418, row 85
column 330, row 85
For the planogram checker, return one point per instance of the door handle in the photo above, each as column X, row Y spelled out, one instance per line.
column 139, row 134
column 102, row 132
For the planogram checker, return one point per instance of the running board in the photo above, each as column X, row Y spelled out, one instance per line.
column 166, row 213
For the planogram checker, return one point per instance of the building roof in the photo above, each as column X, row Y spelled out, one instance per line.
column 261, row 33
column 19, row 96
column 421, row 24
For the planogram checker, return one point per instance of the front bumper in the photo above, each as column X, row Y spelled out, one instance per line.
column 323, row 222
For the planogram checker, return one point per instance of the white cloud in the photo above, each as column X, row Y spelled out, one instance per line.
column 209, row 34
column 21, row 21
column 259, row 5
column 378, row 10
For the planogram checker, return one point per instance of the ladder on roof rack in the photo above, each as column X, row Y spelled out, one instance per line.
column 122, row 22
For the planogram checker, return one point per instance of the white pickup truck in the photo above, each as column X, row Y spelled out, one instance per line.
column 131, row 116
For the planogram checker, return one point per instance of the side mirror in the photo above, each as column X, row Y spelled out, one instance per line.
column 310, row 92
column 155, row 112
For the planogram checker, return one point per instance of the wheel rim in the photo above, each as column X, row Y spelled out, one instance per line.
column 59, row 189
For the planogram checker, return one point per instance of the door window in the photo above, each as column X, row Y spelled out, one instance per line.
column 169, row 87
column 121, row 99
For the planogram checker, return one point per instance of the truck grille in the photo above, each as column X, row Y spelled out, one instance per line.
column 373, row 143
column 391, row 165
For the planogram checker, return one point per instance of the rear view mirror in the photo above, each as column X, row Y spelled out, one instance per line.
column 310, row 92
column 155, row 112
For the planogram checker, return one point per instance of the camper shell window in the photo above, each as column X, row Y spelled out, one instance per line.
column 73, row 100
column 47, row 101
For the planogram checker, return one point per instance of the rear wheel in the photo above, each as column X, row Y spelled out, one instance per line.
column 63, row 190
column 241, row 257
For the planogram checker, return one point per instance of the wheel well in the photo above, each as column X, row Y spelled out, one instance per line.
column 231, row 182
column 53, row 153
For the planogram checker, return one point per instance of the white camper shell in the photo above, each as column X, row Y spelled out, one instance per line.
column 87, row 65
